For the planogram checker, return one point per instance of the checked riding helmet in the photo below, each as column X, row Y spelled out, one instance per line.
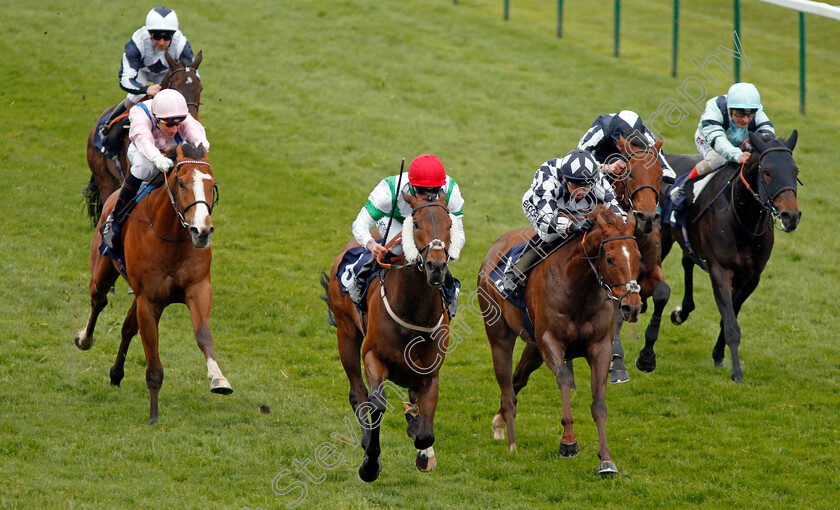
column 169, row 104
column 578, row 167
column 426, row 171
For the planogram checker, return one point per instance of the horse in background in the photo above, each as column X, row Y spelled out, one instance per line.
column 638, row 192
column 166, row 242
column 569, row 298
column 402, row 338
column 730, row 234
column 106, row 176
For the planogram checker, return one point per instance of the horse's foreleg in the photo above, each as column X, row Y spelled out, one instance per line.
column 740, row 292
column 722, row 286
column 501, row 348
column 371, row 414
column 148, row 315
column 646, row 361
column 349, row 351
column 598, row 356
column 425, row 437
column 553, row 355
column 129, row 329
column 618, row 372
column 680, row 313
column 103, row 276
column 198, row 300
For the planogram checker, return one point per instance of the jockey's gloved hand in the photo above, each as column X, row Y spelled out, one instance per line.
column 163, row 163
column 584, row 225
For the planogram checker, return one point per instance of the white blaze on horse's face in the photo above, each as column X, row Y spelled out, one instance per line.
column 200, row 220
column 626, row 255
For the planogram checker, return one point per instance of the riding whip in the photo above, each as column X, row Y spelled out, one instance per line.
column 394, row 205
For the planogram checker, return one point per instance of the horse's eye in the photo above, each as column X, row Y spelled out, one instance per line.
column 416, row 225
column 182, row 185
column 609, row 260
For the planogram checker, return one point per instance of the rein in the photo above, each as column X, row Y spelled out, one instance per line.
column 632, row 286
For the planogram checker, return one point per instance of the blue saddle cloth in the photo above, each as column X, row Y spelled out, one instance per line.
column 517, row 298
column 675, row 212
column 108, row 252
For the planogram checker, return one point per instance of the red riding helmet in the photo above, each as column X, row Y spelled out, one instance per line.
column 426, row 171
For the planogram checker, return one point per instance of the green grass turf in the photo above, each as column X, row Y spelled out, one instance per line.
column 307, row 105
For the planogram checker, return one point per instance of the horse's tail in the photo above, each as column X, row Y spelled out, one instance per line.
column 92, row 200
column 325, row 283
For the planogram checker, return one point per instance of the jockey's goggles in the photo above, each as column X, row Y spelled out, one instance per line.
column 740, row 112
column 420, row 190
column 173, row 122
column 160, row 34
column 577, row 183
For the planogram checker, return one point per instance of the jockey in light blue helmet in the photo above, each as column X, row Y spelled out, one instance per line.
column 744, row 96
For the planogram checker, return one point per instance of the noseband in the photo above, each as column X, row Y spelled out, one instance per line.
column 435, row 244
column 174, row 197
column 632, row 287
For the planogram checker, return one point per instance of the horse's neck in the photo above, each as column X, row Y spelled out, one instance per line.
column 161, row 213
column 580, row 278
column 412, row 297
column 749, row 211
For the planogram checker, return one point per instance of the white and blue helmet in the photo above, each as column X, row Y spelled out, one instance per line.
column 743, row 95
column 162, row 19
column 578, row 166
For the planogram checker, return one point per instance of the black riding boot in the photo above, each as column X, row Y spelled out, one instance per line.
column 109, row 136
column 515, row 274
column 359, row 287
column 113, row 224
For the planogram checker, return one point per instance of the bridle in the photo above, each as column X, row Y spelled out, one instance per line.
column 629, row 197
column 632, row 287
column 435, row 244
column 185, row 69
column 174, row 197
column 767, row 204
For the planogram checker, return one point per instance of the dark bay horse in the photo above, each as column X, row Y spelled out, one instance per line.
column 403, row 337
column 105, row 176
column 166, row 242
column 638, row 192
column 731, row 235
column 568, row 297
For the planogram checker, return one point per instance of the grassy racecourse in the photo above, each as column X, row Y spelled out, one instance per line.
column 307, row 104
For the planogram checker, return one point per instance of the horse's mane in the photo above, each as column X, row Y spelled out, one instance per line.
column 193, row 151
column 610, row 217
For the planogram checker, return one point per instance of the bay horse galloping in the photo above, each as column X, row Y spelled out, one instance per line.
column 166, row 242
column 730, row 233
column 638, row 192
column 404, row 335
column 568, row 300
column 105, row 176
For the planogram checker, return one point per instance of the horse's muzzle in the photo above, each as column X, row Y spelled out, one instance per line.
column 646, row 221
column 201, row 238
column 435, row 273
column 790, row 220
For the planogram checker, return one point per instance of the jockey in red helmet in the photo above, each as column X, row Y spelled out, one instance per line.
column 426, row 178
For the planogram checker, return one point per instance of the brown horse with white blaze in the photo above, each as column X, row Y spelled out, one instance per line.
column 105, row 177
column 404, row 335
column 166, row 242
column 568, row 297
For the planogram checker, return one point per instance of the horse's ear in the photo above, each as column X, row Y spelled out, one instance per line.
column 790, row 143
column 658, row 144
column 410, row 199
column 757, row 142
column 630, row 226
column 169, row 60
column 196, row 61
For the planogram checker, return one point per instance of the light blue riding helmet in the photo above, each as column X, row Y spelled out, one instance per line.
column 743, row 95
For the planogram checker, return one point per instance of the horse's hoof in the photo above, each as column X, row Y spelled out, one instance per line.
column 738, row 378
column 675, row 316
column 82, row 342
column 718, row 362
column 607, row 468
column 370, row 475
column 220, row 386
column 426, row 460
column 569, row 450
column 646, row 364
column 619, row 376
column 153, row 421
column 498, row 426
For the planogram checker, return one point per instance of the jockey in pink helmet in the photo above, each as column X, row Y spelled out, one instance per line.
column 156, row 124
column 426, row 177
